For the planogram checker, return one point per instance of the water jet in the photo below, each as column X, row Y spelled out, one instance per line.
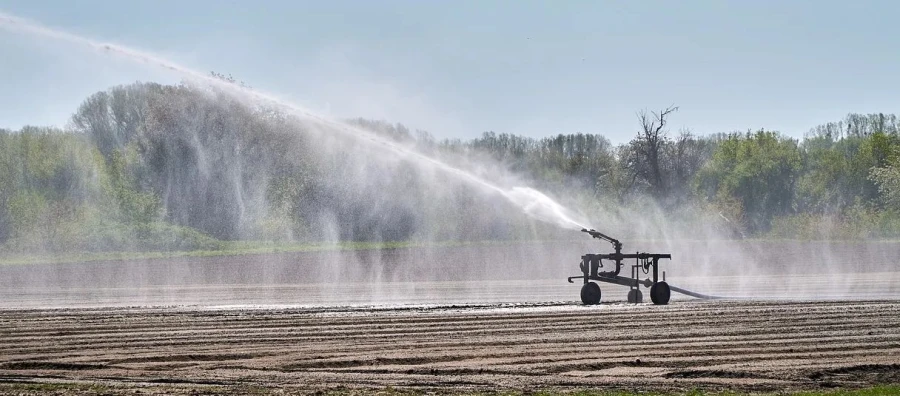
column 531, row 202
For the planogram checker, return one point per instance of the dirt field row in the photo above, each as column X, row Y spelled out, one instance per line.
column 754, row 346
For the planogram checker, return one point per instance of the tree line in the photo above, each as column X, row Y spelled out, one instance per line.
column 171, row 167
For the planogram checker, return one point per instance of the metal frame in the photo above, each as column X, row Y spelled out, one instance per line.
column 644, row 262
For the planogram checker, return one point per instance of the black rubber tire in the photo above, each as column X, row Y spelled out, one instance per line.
column 660, row 293
column 635, row 296
column 590, row 293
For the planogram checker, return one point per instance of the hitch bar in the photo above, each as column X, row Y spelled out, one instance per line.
column 619, row 280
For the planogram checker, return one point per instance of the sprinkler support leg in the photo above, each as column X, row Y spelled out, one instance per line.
column 655, row 270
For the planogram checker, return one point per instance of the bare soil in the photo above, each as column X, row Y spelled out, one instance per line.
column 453, row 319
column 713, row 345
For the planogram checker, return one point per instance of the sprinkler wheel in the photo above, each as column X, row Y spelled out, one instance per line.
column 590, row 293
column 660, row 293
column 635, row 296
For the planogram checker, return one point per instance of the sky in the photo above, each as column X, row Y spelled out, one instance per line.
column 459, row 68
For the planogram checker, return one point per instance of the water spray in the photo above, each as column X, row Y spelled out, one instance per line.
column 533, row 203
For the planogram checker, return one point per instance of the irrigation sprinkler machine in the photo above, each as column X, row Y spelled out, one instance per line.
column 644, row 264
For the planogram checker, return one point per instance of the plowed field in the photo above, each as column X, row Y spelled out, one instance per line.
column 805, row 315
column 754, row 346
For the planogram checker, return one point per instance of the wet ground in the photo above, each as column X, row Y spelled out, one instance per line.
column 447, row 320
column 524, row 272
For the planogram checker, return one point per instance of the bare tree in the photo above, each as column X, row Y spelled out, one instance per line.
column 649, row 147
column 685, row 157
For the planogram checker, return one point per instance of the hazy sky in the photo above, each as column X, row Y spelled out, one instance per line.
column 458, row 68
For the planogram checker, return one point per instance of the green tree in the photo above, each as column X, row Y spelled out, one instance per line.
column 757, row 171
column 888, row 180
